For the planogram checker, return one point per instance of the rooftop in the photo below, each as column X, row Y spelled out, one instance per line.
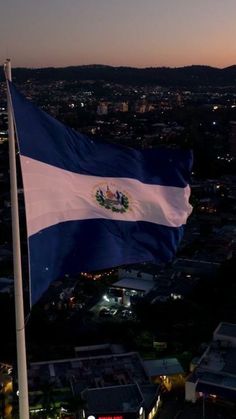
column 134, row 284
column 216, row 371
column 221, row 360
column 218, row 379
column 92, row 372
column 96, row 350
column 127, row 398
column 167, row 366
column 226, row 329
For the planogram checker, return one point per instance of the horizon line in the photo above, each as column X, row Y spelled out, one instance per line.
column 123, row 66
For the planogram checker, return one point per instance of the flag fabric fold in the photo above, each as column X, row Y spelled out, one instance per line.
column 91, row 205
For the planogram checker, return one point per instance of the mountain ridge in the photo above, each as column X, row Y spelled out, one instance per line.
column 192, row 75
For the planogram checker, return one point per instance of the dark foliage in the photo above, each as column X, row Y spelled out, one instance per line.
column 195, row 75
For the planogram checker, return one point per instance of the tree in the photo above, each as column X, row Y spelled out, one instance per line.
column 47, row 399
column 76, row 405
column 2, row 403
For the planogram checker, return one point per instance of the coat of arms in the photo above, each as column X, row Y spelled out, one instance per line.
column 112, row 199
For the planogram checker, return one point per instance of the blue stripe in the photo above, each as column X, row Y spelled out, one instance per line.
column 73, row 247
column 43, row 138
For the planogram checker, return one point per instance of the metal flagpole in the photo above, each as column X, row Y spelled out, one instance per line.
column 19, row 304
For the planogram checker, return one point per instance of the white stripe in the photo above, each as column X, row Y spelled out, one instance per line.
column 54, row 195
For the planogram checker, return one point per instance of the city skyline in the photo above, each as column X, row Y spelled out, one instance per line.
column 118, row 33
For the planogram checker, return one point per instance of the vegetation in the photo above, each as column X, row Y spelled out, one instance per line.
column 163, row 76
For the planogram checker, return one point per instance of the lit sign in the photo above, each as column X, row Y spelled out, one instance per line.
column 110, row 417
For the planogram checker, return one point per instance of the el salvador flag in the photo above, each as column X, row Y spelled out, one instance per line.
column 91, row 205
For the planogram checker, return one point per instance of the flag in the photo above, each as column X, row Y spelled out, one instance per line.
column 91, row 205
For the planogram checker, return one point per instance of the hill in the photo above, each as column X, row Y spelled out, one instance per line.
column 195, row 75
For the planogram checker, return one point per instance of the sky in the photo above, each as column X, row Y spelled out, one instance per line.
column 137, row 33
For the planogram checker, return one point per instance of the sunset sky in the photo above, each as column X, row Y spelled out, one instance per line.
column 138, row 33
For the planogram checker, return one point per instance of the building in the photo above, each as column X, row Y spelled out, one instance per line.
column 232, row 139
column 166, row 371
column 126, row 401
column 133, row 283
column 3, row 125
column 122, row 107
column 215, row 373
column 102, row 108
column 114, row 385
column 131, row 288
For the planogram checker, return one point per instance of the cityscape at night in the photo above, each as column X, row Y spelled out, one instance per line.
column 162, row 314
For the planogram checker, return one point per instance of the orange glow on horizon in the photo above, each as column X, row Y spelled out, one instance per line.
column 154, row 33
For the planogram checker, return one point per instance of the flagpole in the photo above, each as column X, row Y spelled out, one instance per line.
column 18, row 288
